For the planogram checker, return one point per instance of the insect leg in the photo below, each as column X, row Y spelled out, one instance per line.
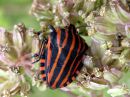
column 36, row 58
column 42, row 67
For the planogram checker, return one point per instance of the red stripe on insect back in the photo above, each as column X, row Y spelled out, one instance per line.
column 66, row 78
column 76, row 66
column 58, row 35
column 65, row 62
column 49, row 52
column 79, row 60
column 54, row 65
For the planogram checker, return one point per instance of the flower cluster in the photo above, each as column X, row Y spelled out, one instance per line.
column 64, row 12
column 110, row 51
column 15, row 58
column 105, row 26
column 107, row 30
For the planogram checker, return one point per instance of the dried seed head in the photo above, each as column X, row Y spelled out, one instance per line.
column 17, row 59
column 87, row 61
column 97, row 72
column 111, row 77
column 25, row 88
column 17, row 70
column 102, row 11
column 15, row 89
column 21, row 29
column 125, row 42
column 126, row 67
column 94, row 86
column 4, row 48
column 107, row 57
column 118, row 90
column 6, row 93
column 91, row 31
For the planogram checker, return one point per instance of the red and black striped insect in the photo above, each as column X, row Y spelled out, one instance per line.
column 60, row 56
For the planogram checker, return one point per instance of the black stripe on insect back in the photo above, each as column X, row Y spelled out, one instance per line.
column 62, row 37
column 79, row 58
column 70, row 61
column 70, row 79
column 62, row 57
column 52, row 43
column 79, row 55
column 53, row 37
column 54, row 54
column 46, row 68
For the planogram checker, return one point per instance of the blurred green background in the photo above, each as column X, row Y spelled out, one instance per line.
column 14, row 11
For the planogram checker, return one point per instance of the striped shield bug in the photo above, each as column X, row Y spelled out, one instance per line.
column 60, row 56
